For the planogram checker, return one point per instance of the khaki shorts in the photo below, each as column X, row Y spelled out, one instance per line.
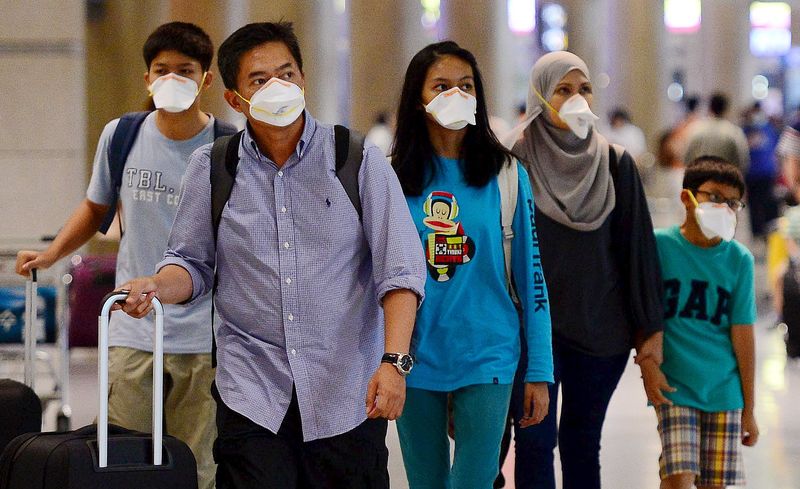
column 189, row 409
column 705, row 444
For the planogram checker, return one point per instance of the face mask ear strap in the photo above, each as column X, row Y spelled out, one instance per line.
column 240, row 96
column 691, row 196
column 200, row 87
column 543, row 99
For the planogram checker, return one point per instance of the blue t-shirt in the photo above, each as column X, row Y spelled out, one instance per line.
column 707, row 290
column 468, row 330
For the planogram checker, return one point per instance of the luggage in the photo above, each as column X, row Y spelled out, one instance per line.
column 12, row 314
column 102, row 456
column 92, row 278
column 21, row 407
column 791, row 308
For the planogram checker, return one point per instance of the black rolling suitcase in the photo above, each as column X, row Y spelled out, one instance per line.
column 791, row 308
column 99, row 456
column 21, row 408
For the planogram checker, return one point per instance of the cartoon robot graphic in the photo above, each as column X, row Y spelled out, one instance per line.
column 447, row 246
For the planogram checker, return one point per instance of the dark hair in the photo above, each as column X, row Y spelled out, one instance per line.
column 692, row 102
column 711, row 168
column 413, row 156
column 718, row 104
column 186, row 38
column 620, row 113
column 248, row 37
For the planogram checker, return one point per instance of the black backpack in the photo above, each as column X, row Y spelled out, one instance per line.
column 120, row 147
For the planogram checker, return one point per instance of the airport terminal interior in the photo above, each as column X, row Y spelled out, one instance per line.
column 71, row 66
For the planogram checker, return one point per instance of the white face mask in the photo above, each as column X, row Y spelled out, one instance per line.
column 453, row 109
column 174, row 93
column 277, row 103
column 716, row 220
column 576, row 114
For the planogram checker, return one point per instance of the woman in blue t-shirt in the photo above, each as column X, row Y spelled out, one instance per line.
column 467, row 336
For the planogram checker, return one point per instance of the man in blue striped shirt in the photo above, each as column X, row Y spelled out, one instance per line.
column 310, row 296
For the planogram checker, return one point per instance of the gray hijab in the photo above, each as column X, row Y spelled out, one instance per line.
column 570, row 177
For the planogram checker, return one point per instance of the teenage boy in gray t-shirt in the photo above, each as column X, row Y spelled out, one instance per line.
column 178, row 56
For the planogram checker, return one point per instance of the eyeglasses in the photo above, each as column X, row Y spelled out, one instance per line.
column 735, row 204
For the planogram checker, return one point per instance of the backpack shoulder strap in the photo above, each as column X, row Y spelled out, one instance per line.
column 349, row 155
column 118, row 151
column 222, row 128
column 508, row 181
column 224, row 162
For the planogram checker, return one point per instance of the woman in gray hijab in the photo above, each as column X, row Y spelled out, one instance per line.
column 600, row 259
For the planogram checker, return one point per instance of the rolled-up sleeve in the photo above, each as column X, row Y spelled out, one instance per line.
column 191, row 241
column 398, row 261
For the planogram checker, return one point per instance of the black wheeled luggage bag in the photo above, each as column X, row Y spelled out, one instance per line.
column 791, row 308
column 99, row 456
column 21, row 408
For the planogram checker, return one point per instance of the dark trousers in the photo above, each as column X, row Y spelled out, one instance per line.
column 252, row 457
column 587, row 383
column 761, row 203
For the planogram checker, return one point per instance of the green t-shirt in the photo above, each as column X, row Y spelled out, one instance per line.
column 706, row 290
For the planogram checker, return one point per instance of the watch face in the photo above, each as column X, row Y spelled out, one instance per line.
column 406, row 362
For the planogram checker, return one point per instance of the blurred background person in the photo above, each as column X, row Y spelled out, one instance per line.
column 623, row 132
column 762, row 138
column 381, row 134
column 717, row 136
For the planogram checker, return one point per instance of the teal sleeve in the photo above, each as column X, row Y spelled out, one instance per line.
column 526, row 266
column 743, row 309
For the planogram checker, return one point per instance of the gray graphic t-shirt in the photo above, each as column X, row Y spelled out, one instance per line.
column 151, row 184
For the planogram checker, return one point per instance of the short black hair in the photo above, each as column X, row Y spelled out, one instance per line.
column 186, row 38
column 246, row 38
column 718, row 104
column 711, row 168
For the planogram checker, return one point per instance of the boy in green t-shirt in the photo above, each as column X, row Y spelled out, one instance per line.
column 703, row 392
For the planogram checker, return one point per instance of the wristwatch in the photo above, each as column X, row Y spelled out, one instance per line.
column 403, row 362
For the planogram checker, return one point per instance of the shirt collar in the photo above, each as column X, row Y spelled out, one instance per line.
column 250, row 148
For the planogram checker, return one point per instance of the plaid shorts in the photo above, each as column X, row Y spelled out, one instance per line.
column 705, row 444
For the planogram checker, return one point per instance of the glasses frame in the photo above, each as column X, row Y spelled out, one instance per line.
column 736, row 205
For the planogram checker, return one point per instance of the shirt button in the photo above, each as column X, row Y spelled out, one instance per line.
column 283, row 209
column 291, row 317
column 280, row 173
column 286, row 245
column 288, row 280
column 294, row 352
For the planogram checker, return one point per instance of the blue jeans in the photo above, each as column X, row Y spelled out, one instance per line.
column 479, row 416
column 587, row 383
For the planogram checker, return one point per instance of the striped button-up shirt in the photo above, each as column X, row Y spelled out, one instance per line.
column 300, row 278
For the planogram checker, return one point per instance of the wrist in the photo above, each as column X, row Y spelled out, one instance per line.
column 402, row 362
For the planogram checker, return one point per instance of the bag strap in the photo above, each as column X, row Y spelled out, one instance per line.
column 222, row 128
column 118, row 151
column 349, row 155
column 224, row 162
column 508, row 181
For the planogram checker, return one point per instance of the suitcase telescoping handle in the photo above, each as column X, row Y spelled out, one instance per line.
column 158, row 376
column 30, row 332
